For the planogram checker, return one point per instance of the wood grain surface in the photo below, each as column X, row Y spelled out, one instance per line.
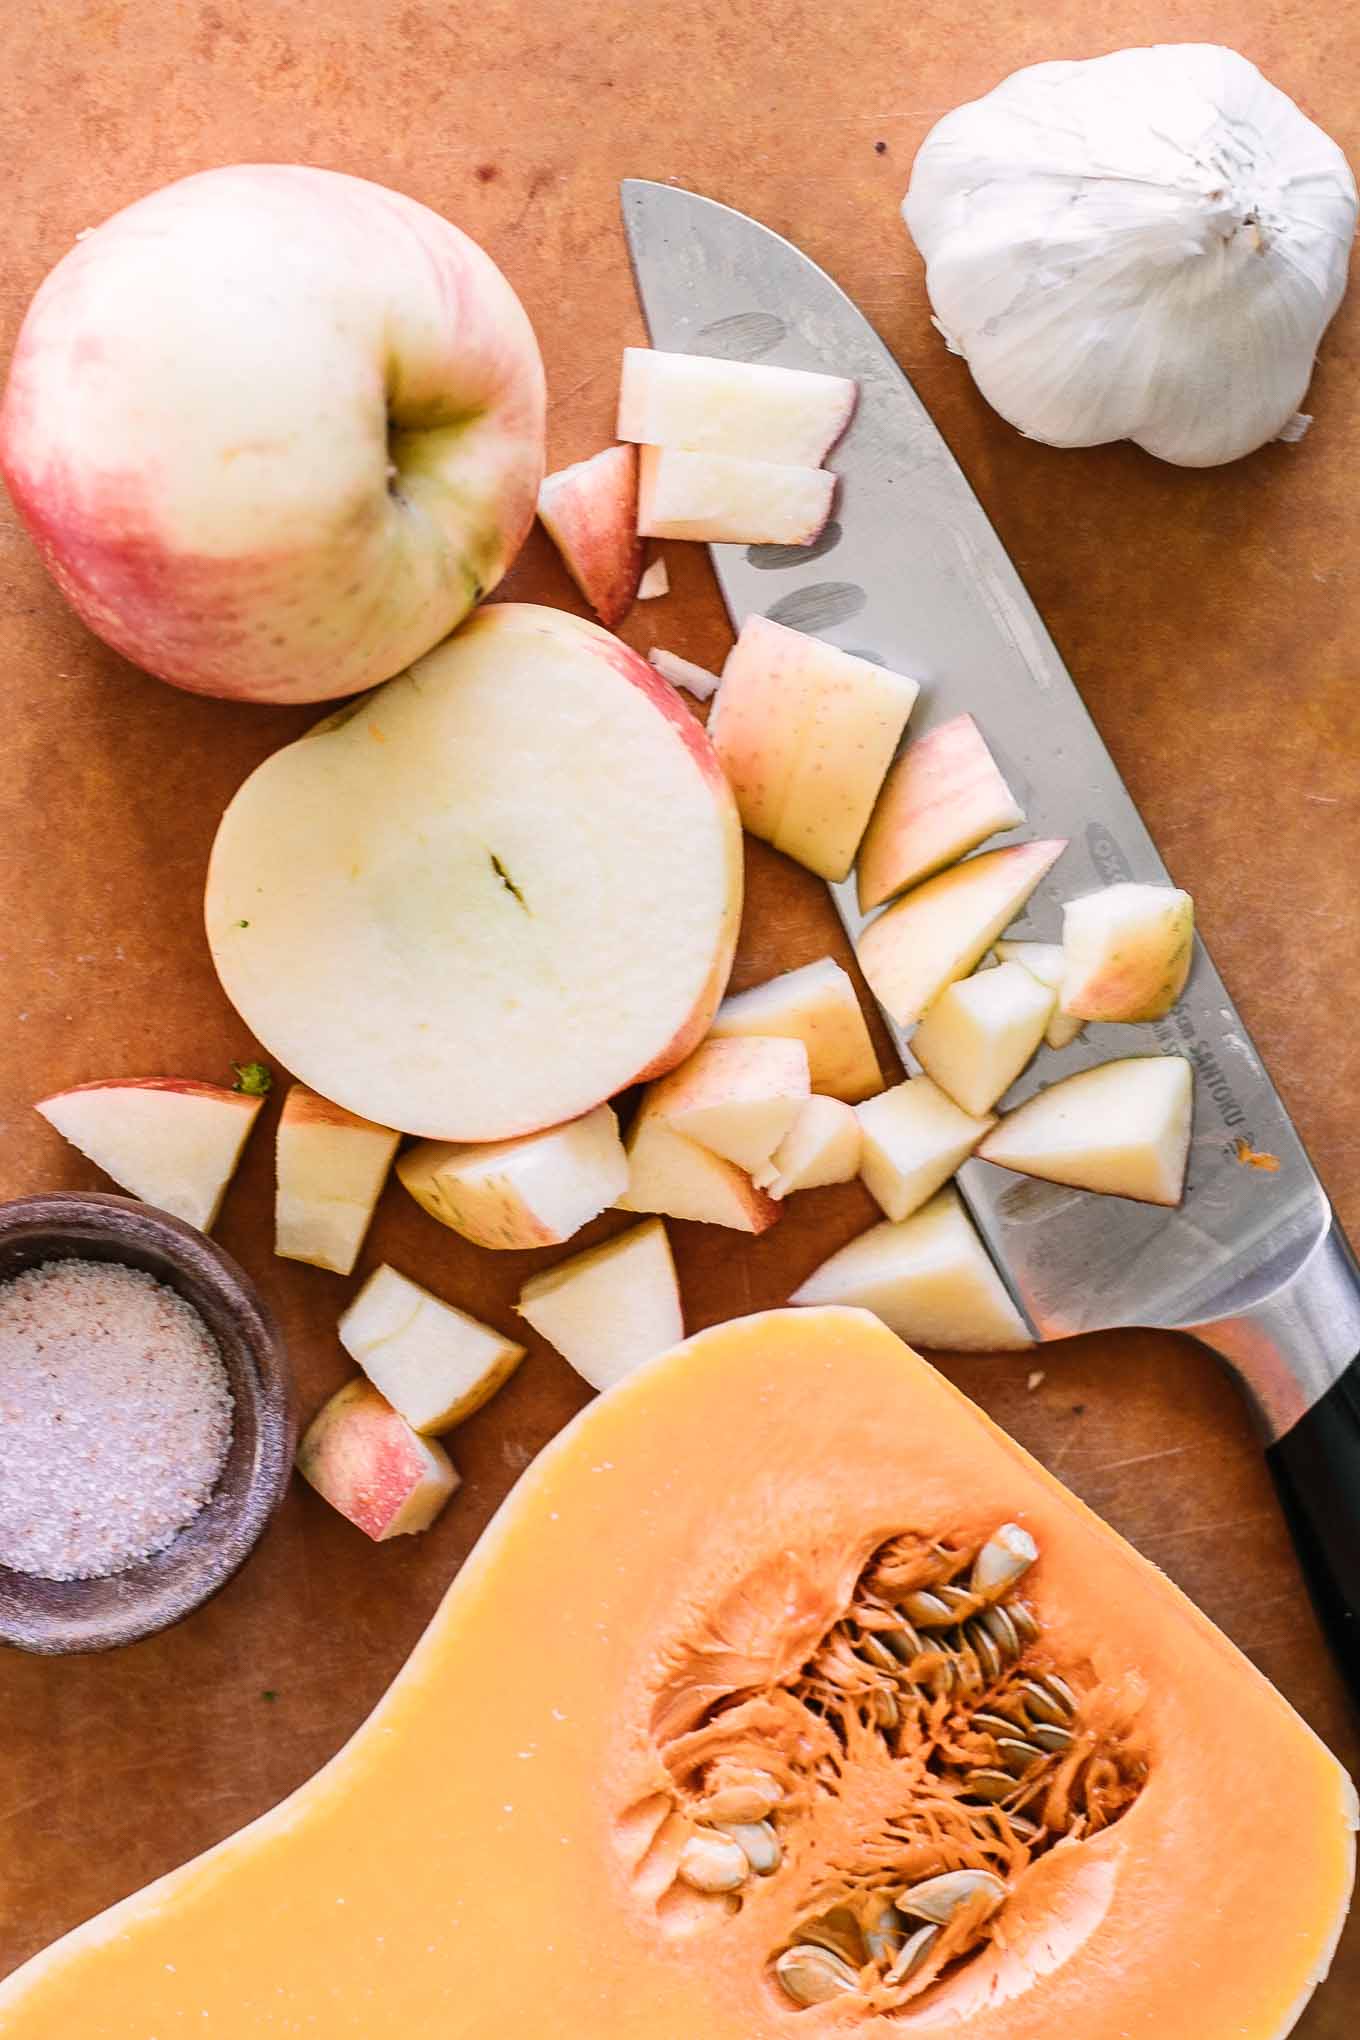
column 1210, row 618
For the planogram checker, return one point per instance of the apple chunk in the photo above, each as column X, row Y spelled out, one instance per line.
column 739, row 1096
column 1127, row 952
column 676, row 1178
column 330, row 1167
column 822, row 1146
column 940, row 931
column 928, row 1278
column 533, row 1192
column 730, row 501
column 1045, row 961
column 805, row 733
column 943, row 797
column 817, row 1005
column 979, row 1033
column 1122, row 1128
column 914, row 1138
column 611, row 1308
column 589, row 511
column 363, row 1458
column 434, row 1364
column 172, row 1142
column 709, row 405
column 492, row 894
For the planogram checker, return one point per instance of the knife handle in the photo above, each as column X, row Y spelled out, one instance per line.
column 1316, row 1465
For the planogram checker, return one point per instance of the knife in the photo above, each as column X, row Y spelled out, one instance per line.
column 909, row 572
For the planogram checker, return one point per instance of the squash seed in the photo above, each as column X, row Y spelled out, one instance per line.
column 739, row 1794
column 1001, row 1629
column 877, row 1653
column 927, row 1610
column 984, row 1649
column 885, row 1930
column 902, row 1641
column 758, row 1842
column 713, row 1862
column 885, row 1708
column 1050, row 1737
column 939, row 1898
column 1061, row 1692
column 913, row 1955
column 1017, row 1757
column 1023, row 1621
column 813, row 1976
column 1008, row 1552
column 989, row 1784
column 1043, row 1705
column 839, row 1931
column 992, row 1724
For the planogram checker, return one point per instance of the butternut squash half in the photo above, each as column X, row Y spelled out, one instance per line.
column 786, row 1696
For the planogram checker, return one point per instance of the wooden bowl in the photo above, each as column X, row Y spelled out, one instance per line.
column 85, row 1615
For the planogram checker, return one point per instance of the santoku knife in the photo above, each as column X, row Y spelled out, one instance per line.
column 910, row 573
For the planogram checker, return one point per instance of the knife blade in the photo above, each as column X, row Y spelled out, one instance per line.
column 909, row 572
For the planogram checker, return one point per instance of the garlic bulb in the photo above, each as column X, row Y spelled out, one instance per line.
column 1146, row 246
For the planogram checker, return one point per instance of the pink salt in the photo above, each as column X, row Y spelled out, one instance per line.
column 115, row 1418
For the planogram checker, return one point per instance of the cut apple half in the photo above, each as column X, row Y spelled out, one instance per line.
column 330, row 1167
column 816, row 1004
column 168, row 1140
column 739, row 1096
column 822, row 1146
column 433, row 1363
column 980, row 1032
column 532, row 1192
column 1045, row 961
column 363, row 1458
column 1127, row 952
column 708, row 405
column 611, row 1308
column 805, row 733
column 726, row 500
column 589, row 511
column 943, row 797
column 676, row 1178
column 941, row 930
column 1122, row 1128
column 928, row 1278
column 914, row 1138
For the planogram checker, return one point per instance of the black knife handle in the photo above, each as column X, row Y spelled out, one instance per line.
column 1316, row 1465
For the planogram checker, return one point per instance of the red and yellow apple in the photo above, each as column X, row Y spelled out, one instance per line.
column 943, row 797
column 534, row 1191
column 675, row 1177
column 723, row 498
column 363, row 1458
column 589, row 511
column 822, row 1146
column 168, row 1140
column 432, row 1362
column 816, row 1004
column 739, row 1096
column 914, row 1138
column 753, row 410
column 1122, row 1128
column 611, row 1308
column 1127, row 952
column 330, row 1167
column 977, row 1034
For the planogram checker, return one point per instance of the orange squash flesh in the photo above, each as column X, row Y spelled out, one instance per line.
column 466, row 1869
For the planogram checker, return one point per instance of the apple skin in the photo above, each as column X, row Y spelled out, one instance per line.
column 274, row 431
column 368, row 1463
column 590, row 512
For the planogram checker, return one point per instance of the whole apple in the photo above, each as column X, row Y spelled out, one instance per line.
column 275, row 430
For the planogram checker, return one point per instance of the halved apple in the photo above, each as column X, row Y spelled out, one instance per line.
column 816, row 1004
column 1045, row 961
column 363, row 1458
column 943, row 797
column 676, row 1178
column 589, row 511
column 822, row 1146
column 168, row 1140
column 739, row 1096
column 805, row 733
column 727, row 500
column 434, row 1364
column 979, row 1032
column 928, row 1278
column 492, row 894
column 1122, row 1128
column 939, row 931
column 532, row 1192
column 330, row 1167
column 611, row 1308
column 750, row 408
column 1127, row 952
column 914, row 1138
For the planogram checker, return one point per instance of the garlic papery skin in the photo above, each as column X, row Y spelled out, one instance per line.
column 1147, row 245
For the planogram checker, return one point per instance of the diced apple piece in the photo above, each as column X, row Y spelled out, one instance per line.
column 168, row 1140
column 611, row 1308
column 817, row 1005
column 367, row 1462
column 980, row 1032
column 590, row 512
column 709, row 405
column 676, row 1178
column 914, row 1138
column 940, row 931
column 330, row 1167
column 1127, row 952
column 805, row 733
column 739, row 1096
column 929, row 1278
column 822, row 1146
column 532, row 1192
column 943, row 797
column 434, row 1364
column 730, row 501
column 696, row 680
column 1122, row 1128
column 1045, row 961
column 655, row 581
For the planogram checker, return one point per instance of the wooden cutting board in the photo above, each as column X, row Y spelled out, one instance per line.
column 1209, row 617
